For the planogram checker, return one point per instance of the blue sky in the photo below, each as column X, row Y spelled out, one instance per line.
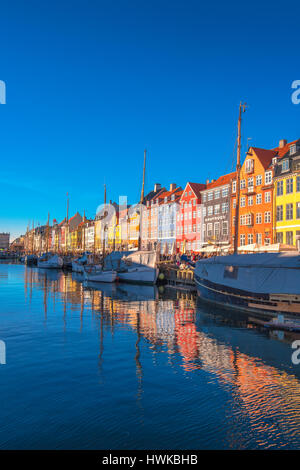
column 90, row 84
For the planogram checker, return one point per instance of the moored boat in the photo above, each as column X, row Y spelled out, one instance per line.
column 265, row 283
column 50, row 261
column 96, row 273
column 139, row 267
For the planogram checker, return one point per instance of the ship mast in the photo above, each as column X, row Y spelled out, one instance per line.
column 47, row 246
column 141, row 201
column 242, row 109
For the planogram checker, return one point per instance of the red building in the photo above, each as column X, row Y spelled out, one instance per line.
column 188, row 223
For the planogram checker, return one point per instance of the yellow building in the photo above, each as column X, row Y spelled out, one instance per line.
column 287, row 193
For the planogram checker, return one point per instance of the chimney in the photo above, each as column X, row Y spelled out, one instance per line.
column 282, row 143
column 207, row 182
column 157, row 187
column 172, row 186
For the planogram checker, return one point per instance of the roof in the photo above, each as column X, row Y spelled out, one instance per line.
column 197, row 188
column 222, row 180
column 264, row 156
column 285, row 149
column 177, row 191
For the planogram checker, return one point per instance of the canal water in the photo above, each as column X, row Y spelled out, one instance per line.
column 129, row 367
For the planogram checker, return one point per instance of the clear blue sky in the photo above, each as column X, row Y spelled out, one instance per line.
column 90, row 84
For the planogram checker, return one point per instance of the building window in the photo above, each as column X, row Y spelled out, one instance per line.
column 210, row 196
column 259, row 238
column 268, row 196
column 289, row 186
column 280, row 188
column 268, row 177
column 194, row 202
column 298, row 184
column 289, row 238
column 289, row 212
column 217, row 229
column 250, row 201
column 209, row 230
column 249, row 164
column 279, row 237
column 267, row 241
column 194, row 228
column 194, row 214
column 258, row 180
column 242, row 240
column 225, row 228
column 217, row 209
column 279, row 213
column 242, row 220
column 217, row 194
column 204, row 197
column 293, row 149
column 210, row 210
column 297, row 210
column 234, row 186
column 225, row 207
column 250, row 182
column 243, row 201
column 267, row 217
column 243, row 184
column 258, row 218
column 234, row 203
column 285, row 165
column 224, row 192
column 250, row 238
column 258, row 198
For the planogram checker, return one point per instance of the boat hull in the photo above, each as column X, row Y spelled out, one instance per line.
column 77, row 267
column 139, row 276
column 101, row 276
column 264, row 304
column 53, row 263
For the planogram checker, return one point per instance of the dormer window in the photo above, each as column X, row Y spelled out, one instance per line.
column 274, row 160
column 285, row 165
column 293, row 149
column 173, row 197
column 166, row 199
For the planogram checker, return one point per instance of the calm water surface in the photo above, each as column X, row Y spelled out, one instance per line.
column 128, row 367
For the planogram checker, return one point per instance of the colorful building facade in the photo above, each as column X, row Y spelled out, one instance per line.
column 188, row 223
column 255, row 224
column 287, row 193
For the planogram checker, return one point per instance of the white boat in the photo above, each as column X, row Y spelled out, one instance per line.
column 97, row 274
column 50, row 261
column 264, row 283
column 140, row 267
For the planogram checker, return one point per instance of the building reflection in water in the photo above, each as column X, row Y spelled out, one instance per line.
column 169, row 325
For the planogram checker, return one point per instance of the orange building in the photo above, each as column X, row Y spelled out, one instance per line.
column 255, row 225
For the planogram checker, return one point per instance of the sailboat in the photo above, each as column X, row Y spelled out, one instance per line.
column 138, row 267
column 99, row 272
column 258, row 283
column 49, row 260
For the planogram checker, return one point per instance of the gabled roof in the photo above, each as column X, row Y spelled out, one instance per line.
column 264, row 156
column 221, row 181
column 285, row 149
column 197, row 188
column 177, row 191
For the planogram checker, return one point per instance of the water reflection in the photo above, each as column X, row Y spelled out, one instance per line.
column 251, row 366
